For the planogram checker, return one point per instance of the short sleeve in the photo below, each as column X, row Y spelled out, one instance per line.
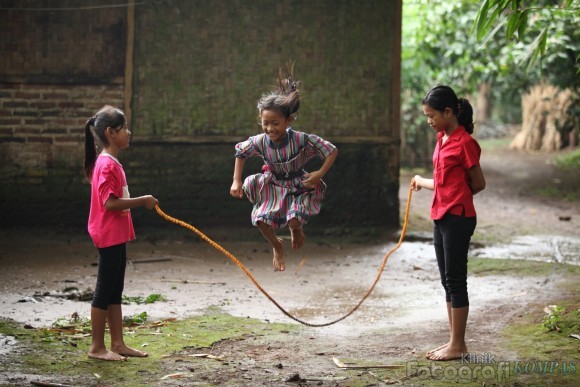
column 108, row 184
column 471, row 153
column 319, row 146
column 247, row 148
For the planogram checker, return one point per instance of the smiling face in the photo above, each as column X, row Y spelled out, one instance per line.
column 274, row 124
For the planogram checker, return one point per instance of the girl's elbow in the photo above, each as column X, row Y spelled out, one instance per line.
column 478, row 188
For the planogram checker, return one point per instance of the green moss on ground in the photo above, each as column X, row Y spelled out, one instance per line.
column 61, row 353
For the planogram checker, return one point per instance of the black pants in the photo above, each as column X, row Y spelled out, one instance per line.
column 451, row 237
column 111, row 276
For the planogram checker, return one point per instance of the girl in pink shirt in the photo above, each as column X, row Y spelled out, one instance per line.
column 457, row 176
column 110, row 227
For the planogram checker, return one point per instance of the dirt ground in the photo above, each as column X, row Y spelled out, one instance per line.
column 404, row 317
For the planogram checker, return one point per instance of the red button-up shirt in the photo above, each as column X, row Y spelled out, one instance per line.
column 451, row 161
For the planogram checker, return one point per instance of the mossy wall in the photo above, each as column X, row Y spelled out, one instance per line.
column 198, row 68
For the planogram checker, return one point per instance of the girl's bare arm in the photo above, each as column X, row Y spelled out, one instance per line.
column 120, row 204
column 314, row 177
column 236, row 188
column 476, row 179
column 419, row 182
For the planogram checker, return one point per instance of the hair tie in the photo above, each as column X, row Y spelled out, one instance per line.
column 92, row 121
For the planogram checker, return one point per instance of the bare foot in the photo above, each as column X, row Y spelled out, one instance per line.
column 435, row 350
column 298, row 237
column 279, row 261
column 128, row 351
column 106, row 355
column 448, row 353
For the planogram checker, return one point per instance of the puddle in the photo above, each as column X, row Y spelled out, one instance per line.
column 543, row 248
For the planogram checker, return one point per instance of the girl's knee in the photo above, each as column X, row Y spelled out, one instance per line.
column 294, row 223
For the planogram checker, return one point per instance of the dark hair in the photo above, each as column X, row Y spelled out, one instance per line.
column 442, row 97
column 285, row 98
column 107, row 117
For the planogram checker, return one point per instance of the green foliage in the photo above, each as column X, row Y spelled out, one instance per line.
column 552, row 318
column 136, row 319
column 542, row 18
column 143, row 300
column 467, row 43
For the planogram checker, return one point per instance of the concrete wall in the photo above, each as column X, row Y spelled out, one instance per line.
column 188, row 74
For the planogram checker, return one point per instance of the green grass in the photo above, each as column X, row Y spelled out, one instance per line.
column 569, row 160
column 557, row 193
column 519, row 267
column 539, row 347
column 494, row 143
column 61, row 353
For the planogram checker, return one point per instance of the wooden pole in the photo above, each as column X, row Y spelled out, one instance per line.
column 128, row 97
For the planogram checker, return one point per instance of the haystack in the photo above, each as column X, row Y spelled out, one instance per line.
column 545, row 116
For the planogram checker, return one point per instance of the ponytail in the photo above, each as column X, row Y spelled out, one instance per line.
column 107, row 117
column 90, row 150
column 465, row 115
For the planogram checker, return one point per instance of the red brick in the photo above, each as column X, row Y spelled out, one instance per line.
column 71, row 105
column 26, row 95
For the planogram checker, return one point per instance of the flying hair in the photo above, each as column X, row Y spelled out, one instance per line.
column 285, row 98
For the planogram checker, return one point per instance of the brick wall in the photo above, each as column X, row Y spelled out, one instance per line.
column 41, row 151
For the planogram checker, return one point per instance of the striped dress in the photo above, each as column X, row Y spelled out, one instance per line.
column 278, row 193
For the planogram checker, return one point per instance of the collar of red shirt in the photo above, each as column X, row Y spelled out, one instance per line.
column 454, row 135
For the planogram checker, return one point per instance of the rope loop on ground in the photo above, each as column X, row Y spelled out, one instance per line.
column 253, row 279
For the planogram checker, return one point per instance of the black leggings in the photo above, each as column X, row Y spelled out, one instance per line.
column 451, row 237
column 111, row 276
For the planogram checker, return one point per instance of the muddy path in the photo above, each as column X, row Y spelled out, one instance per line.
column 403, row 318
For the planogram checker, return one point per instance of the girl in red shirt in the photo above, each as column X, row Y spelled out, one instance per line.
column 110, row 228
column 457, row 176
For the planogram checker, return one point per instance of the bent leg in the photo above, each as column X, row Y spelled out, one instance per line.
column 297, row 233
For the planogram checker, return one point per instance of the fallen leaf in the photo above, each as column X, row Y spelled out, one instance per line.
column 177, row 375
column 354, row 365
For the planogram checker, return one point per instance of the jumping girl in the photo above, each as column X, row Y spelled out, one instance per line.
column 110, row 227
column 284, row 194
column 457, row 176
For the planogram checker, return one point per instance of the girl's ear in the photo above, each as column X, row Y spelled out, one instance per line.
column 290, row 119
column 448, row 112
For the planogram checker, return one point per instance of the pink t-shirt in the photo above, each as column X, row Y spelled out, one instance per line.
column 109, row 228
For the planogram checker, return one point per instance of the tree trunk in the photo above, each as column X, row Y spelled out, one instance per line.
column 483, row 105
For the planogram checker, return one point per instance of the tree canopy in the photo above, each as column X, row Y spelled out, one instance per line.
column 510, row 44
